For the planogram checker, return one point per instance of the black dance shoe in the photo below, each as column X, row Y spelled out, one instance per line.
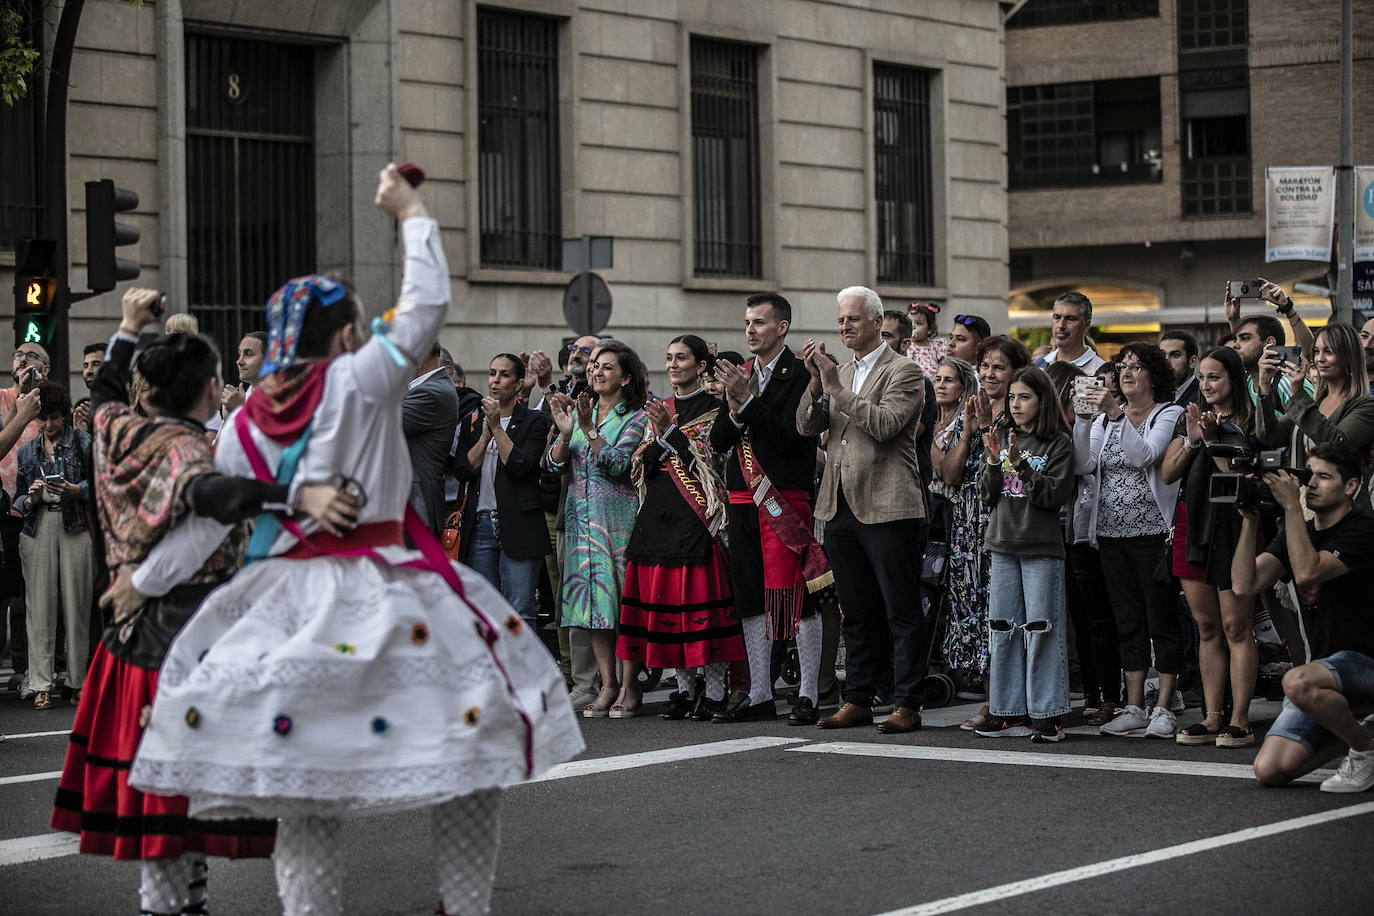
column 804, row 713
column 744, row 711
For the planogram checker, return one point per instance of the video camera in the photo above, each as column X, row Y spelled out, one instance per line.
column 1243, row 488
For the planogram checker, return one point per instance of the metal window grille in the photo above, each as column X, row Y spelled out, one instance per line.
column 1208, row 24
column 1068, row 12
column 21, row 134
column 727, row 238
column 517, row 139
column 250, row 178
column 1216, row 187
column 902, row 175
column 1052, row 140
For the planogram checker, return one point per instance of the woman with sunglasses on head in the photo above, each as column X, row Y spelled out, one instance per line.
column 927, row 348
column 959, row 464
column 1123, row 448
column 1342, row 409
column 677, row 607
column 1205, row 538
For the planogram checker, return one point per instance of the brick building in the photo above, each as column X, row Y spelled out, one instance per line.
column 1138, row 135
column 728, row 147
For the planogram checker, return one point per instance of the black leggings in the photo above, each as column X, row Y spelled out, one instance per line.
column 1094, row 627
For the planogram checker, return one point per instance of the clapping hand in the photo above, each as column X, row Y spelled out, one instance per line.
column 561, row 409
column 584, row 411
column 992, row 443
column 1013, row 450
column 982, row 409
column 491, row 414
column 230, row 398
column 540, row 367
column 659, row 418
column 81, row 415
column 734, row 380
column 1208, row 425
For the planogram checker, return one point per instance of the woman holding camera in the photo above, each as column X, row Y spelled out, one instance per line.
column 1124, row 449
column 1205, row 536
column 54, row 497
column 1341, row 410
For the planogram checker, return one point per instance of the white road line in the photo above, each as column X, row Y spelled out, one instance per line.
column 1032, row 759
column 1084, row 872
column 28, row 777
column 65, row 731
column 36, row 848
column 666, row 755
column 54, row 845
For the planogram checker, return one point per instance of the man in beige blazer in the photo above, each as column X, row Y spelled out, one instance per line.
column 872, row 503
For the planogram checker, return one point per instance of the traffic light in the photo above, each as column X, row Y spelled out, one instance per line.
column 104, row 235
column 36, row 291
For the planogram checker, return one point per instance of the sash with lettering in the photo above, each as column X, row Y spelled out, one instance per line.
column 793, row 563
column 694, row 475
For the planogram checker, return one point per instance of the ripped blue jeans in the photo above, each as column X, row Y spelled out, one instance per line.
column 1029, row 639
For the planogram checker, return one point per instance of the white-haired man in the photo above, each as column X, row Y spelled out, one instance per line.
column 872, row 503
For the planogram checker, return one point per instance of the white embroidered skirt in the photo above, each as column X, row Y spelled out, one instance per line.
column 340, row 685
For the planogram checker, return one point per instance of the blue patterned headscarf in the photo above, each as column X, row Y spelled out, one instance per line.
column 286, row 313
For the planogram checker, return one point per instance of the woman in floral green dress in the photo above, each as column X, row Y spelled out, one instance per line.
column 597, row 436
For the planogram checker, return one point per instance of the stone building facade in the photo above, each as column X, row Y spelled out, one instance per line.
column 727, row 147
column 1166, row 114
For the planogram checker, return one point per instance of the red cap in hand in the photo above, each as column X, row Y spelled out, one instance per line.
column 412, row 173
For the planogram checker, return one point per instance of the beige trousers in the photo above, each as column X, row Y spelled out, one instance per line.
column 59, row 575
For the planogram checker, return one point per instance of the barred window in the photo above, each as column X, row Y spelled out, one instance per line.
column 517, row 140
column 1069, row 12
column 1084, row 134
column 1206, row 24
column 902, row 175
column 21, row 136
column 727, row 231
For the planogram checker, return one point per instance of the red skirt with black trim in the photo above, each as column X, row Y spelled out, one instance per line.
column 679, row 616
column 94, row 798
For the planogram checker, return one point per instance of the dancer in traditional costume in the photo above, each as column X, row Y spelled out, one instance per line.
column 677, row 609
column 338, row 676
column 150, row 472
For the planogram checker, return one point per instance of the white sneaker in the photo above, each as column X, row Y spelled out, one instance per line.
column 1355, row 774
column 25, row 691
column 1163, row 724
column 1130, row 721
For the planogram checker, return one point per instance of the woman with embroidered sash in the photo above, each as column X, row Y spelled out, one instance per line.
column 340, row 676
column 677, row 609
column 150, row 473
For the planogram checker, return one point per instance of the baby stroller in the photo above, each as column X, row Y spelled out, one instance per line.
column 938, row 688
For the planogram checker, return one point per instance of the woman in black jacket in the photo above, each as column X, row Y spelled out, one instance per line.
column 506, row 536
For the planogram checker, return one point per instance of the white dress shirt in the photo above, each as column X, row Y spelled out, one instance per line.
column 864, row 365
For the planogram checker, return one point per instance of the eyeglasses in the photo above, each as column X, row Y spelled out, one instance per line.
column 574, row 348
column 28, row 356
column 1130, row 367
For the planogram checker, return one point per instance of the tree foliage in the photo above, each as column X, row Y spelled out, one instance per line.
column 18, row 56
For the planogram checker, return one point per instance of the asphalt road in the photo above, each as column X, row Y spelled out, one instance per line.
column 689, row 818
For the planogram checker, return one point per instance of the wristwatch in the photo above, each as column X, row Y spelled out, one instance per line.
column 593, row 434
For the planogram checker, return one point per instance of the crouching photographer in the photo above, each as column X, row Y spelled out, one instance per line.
column 1331, row 561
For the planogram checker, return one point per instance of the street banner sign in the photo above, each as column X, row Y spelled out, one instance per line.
column 1299, row 213
column 1364, row 213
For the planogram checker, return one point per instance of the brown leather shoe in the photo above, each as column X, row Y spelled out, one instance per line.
column 903, row 719
column 848, row 716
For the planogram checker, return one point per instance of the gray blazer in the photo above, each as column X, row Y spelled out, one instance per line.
column 429, row 416
column 872, row 445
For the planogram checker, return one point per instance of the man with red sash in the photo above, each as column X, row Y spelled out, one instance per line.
column 775, row 561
